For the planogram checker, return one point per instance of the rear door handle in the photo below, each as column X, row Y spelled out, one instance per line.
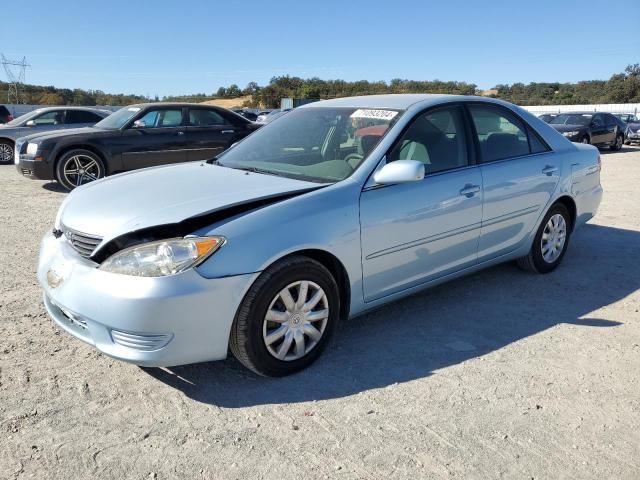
column 470, row 190
column 179, row 133
column 227, row 131
column 549, row 170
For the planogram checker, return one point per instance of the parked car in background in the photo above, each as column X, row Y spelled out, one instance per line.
column 5, row 115
column 45, row 119
column 271, row 116
column 265, row 249
column 249, row 115
column 547, row 117
column 136, row 136
column 632, row 127
column 633, row 132
column 600, row 129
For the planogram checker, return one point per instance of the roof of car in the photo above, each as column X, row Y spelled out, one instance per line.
column 172, row 104
column 399, row 101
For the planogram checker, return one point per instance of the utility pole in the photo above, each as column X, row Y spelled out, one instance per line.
column 16, row 71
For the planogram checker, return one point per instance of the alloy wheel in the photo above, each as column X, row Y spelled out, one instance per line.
column 553, row 239
column 81, row 169
column 295, row 320
column 6, row 153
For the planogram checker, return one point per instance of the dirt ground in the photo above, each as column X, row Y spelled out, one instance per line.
column 499, row 375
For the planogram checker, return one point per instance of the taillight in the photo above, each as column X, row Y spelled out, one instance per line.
column 9, row 118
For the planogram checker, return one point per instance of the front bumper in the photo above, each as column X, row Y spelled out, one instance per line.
column 163, row 321
column 34, row 169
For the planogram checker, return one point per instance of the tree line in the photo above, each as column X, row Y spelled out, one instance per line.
column 620, row 88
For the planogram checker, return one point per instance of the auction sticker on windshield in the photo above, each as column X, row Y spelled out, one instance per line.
column 379, row 114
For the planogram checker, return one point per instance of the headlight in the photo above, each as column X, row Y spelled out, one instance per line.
column 32, row 149
column 158, row 259
column 570, row 134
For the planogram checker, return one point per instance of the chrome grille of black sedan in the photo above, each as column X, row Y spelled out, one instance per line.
column 82, row 243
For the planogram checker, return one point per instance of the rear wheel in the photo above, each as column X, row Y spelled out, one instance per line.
column 6, row 151
column 617, row 145
column 286, row 318
column 78, row 167
column 550, row 243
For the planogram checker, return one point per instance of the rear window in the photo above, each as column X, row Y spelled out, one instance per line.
column 4, row 110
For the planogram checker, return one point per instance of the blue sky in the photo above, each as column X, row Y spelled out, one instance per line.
column 167, row 47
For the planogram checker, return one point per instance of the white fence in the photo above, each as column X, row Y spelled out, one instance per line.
column 605, row 107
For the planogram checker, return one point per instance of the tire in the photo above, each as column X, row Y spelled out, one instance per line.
column 617, row 144
column 251, row 328
column 536, row 261
column 6, row 152
column 586, row 140
column 90, row 166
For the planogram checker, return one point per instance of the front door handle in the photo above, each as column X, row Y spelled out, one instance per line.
column 227, row 131
column 179, row 133
column 549, row 170
column 470, row 190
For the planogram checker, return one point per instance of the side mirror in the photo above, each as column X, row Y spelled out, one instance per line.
column 400, row 171
column 30, row 123
column 139, row 124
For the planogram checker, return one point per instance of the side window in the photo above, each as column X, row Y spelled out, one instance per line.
column 161, row 118
column 500, row 134
column 436, row 139
column 597, row 121
column 55, row 117
column 610, row 120
column 536, row 144
column 205, row 118
column 81, row 116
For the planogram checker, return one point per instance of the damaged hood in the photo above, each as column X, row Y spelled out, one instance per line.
column 171, row 194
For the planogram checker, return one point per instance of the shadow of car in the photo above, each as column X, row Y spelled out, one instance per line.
column 438, row 328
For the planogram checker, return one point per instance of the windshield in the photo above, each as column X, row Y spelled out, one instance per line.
column 23, row 118
column 571, row 119
column 118, row 119
column 316, row 144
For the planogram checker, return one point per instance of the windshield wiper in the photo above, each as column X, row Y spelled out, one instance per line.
column 256, row 170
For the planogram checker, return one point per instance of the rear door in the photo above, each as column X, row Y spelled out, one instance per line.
column 156, row 137
column 208, row 133
column 414, row 232
column 519, row 174
column 80, row 118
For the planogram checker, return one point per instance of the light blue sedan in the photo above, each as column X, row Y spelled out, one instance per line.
column 336, row 208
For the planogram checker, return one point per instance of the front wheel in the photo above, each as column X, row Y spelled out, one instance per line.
column 286, row 318
column 550, row 243
column 78, row 167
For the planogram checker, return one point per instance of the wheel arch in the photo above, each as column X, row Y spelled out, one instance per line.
column 81, row 146
column 337, row 270
column 8, row 139
column 570, row 205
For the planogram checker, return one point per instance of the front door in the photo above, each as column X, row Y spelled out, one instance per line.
column 414, row 232
column 599, row 132
column 156, row 138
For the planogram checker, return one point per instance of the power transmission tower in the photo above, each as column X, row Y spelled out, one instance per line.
column 16, row 71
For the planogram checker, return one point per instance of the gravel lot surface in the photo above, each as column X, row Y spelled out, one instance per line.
column 499, row 375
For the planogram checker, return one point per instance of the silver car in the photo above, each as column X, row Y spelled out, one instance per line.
column 43, row 119
column 338, row 207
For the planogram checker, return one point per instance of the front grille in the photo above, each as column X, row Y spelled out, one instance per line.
column 82, row 243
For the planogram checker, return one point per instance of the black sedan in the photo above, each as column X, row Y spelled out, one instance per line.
column 597, row 128
column 134, row 137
